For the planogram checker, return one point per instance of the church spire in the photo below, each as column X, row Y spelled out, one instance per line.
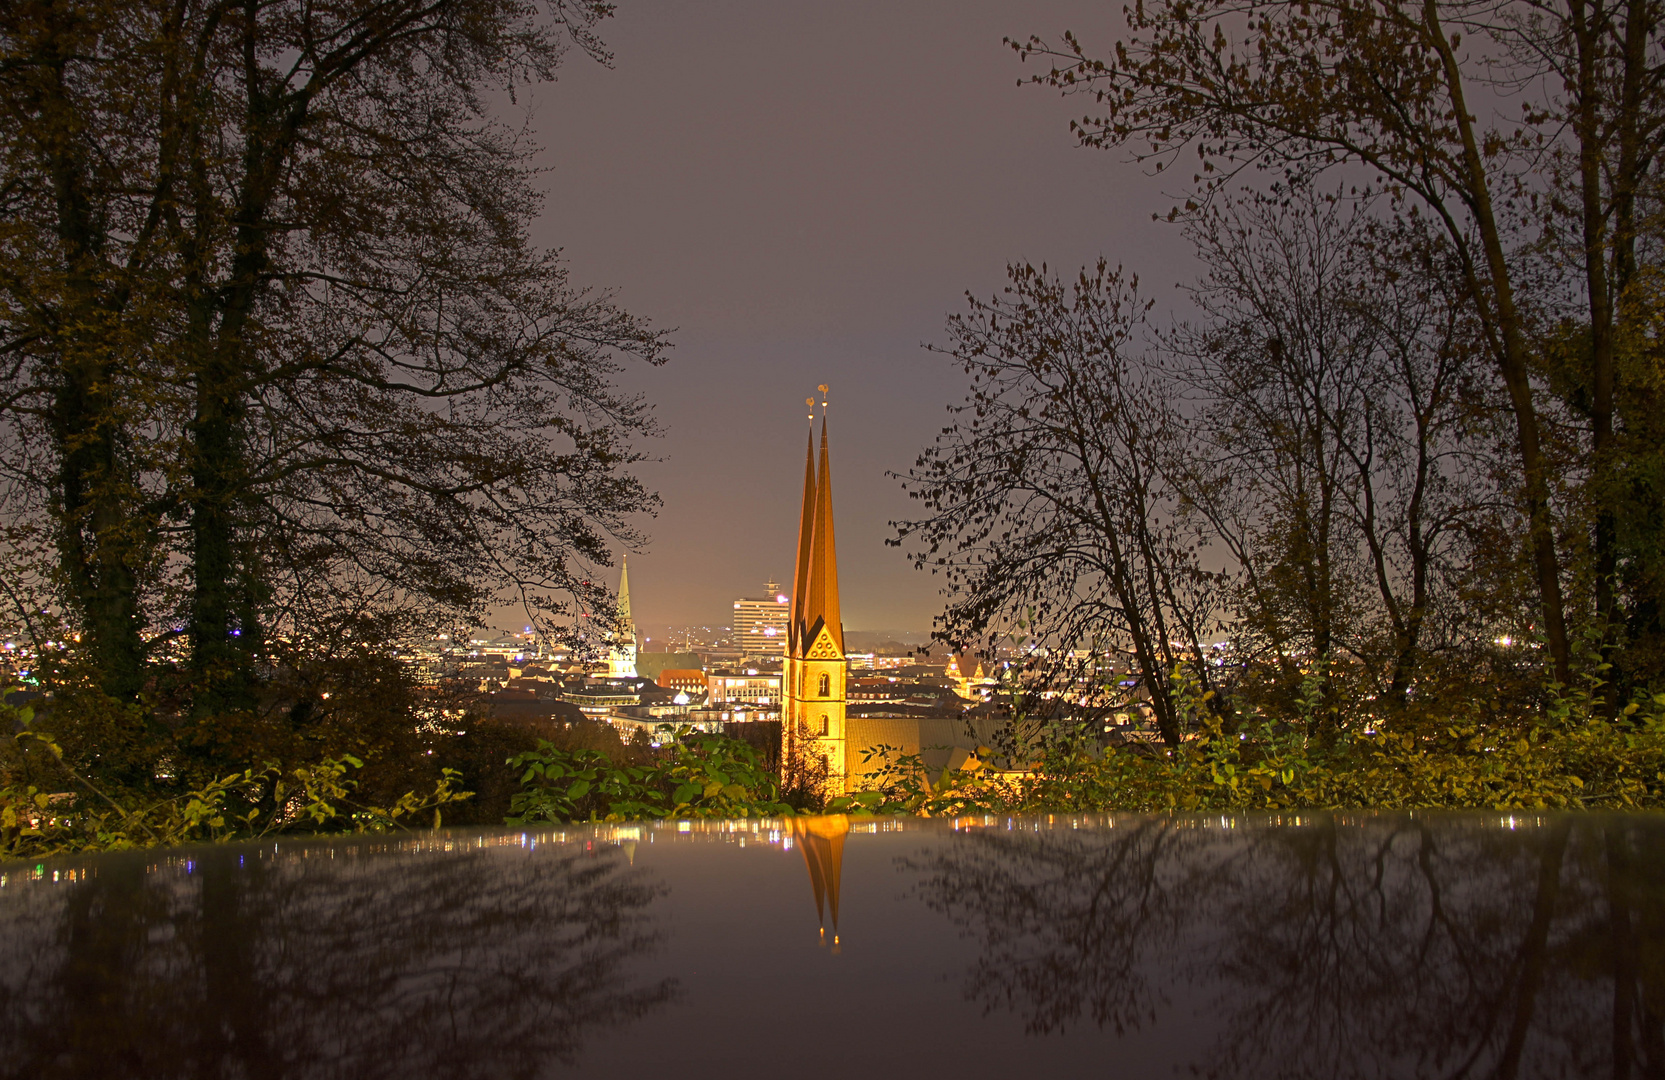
column 621, row 653
column 806, row 532
column 815, row 674
column 627, row 626
column 822, row 598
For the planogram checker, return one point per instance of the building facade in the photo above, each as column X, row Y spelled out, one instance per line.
column 760, row 690
column 686, row 680
column 814, row 673
column 760, row 622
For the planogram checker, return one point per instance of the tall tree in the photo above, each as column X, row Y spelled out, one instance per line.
column 309, row 231
column 1603, row 118
column 81, row 311
column 1333, row 444
column 1377, row 83
column 1049, row 500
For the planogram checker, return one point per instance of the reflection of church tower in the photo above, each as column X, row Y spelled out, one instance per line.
column 821, row 839
column 814, row 673
column 621, row 653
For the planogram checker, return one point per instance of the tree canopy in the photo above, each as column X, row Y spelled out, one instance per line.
column 280, row 350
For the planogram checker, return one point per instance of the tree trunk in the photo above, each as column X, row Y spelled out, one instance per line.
column 1511, row 355
column 101, row 543
column 1587, row 34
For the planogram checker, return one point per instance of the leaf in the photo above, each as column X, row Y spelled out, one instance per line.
column 579, row 789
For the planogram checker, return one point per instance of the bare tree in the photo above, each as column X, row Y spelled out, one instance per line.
column 1050, row 508
column 1373, row 83
column 1599, row 69
column 1335, row 451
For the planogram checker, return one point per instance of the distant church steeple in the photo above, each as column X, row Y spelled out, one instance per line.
column 621, row 655
column 815, row 670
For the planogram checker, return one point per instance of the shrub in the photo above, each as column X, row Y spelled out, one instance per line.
column 47, row 806
column 1569, row 757
column 699, row 776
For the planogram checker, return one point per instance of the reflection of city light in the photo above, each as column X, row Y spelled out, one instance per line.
column 780, row 598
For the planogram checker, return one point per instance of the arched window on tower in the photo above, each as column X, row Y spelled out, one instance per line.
column 824, row 729
column 826, row 684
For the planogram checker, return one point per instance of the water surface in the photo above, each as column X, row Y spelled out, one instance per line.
column 1352, row 945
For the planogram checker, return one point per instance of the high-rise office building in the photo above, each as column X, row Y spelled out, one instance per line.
column 760, row 622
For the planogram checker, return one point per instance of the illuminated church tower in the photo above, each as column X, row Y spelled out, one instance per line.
column 812, row 715
column 621, row 651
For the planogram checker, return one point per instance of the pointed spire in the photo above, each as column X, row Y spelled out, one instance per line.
column 806, row 532
column 822, row 599
column 621, row 651
column 625, row 624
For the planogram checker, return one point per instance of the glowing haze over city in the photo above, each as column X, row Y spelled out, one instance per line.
column 802, row 194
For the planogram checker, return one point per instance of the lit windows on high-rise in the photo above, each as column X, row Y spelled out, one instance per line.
column 760, row 622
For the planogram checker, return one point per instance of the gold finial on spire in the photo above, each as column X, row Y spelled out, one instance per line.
column 811, row 403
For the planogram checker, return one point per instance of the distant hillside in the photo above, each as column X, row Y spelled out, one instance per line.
column 885, row 642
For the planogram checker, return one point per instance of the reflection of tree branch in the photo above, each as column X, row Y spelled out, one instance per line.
column 1065, row 920
column 1618, row 905
column 1436, row 908
column 474, row 964
column 1441, row 946
column 1533, row 949
column 1624, row 951
column 1414, row 982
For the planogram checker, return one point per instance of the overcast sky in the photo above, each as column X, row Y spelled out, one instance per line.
column 804, row 192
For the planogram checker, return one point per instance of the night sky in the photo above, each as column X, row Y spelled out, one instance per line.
column 804, row 192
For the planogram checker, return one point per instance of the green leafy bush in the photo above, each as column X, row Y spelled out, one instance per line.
column 700, row 776
column 1569, row 757
column 77, row 814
